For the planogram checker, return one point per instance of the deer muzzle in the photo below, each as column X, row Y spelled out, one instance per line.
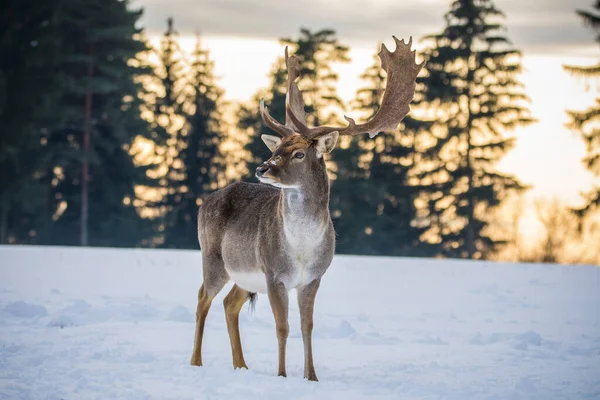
column 270, row 167
column 261, row 170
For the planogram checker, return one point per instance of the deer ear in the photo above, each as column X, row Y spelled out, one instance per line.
column 271, row 141
column 326, row 143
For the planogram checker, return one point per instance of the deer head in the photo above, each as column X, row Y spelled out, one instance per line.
column 294, row 158
column 301, row 148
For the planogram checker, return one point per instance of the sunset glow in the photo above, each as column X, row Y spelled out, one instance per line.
column 242, row 66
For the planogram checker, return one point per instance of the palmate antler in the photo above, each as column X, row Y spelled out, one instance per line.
column 294, row 103
column 402, row 72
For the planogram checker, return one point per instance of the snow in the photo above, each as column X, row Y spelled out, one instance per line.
column 119, row 324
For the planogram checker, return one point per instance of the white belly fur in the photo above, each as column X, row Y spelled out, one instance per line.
column 255, row 282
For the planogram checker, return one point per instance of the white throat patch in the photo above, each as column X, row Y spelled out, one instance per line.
column 303, row 236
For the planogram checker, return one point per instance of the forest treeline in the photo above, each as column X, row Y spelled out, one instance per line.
column 107, row 141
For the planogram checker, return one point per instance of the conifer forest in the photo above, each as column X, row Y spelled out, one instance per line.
column 108, row 140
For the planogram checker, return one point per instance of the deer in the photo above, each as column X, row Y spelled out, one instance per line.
column 277, row 235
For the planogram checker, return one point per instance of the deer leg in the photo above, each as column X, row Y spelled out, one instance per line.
column 306, row 304
column 278, row 297
column 204, row 303
column 215, row 278
column 233, row 303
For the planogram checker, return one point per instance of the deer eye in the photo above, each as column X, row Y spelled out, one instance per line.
column 299, row 155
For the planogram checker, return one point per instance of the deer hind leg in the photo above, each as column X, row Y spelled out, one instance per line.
column 306, row 304
column 278, row 297
column 215, row 278
column 233, row 303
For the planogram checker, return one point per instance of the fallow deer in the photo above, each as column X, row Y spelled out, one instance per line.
column 278, row 235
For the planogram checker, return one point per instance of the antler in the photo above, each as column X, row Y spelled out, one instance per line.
column 402, row 73
column 293, row 101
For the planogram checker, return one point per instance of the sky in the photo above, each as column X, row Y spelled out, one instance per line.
column 243, row 39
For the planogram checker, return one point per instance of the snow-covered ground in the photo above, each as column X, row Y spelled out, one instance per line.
column 119, row 324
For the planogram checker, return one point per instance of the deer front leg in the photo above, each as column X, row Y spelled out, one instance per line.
column 306, row 304
column 278, row 297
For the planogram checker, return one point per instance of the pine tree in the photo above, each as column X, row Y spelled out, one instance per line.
column 584, row 121
column 167, row 120
column 250, row 121
column 168, row 124
column 471, row 89
column 394, row 230
column 100, row 73
column 375, row 195
column 29, row 45
column 198, row 161
column 352, row 200
column 353, row 196
column 317, row 51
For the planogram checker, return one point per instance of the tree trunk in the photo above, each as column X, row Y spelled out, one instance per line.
column 86, row 150
column 470, row 233
column 4, row 220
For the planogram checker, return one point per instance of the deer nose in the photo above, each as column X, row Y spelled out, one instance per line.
column 261, row 169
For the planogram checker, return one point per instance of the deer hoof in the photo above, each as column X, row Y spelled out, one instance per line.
column 195, row 362
column 311, row 377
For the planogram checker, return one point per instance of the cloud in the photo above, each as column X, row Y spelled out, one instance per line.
column 532, row 26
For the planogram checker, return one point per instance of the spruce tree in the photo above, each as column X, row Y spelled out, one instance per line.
column 168, row 124
column 393, row 229
column 471, row 89
column 199, row 165
column 251, row 123
column 584, row 121
column 317, row 51
column 167, row 117
column 353, row 195
column 353, row 199
column 29, row 47
column 375, row 189
column 101, row 74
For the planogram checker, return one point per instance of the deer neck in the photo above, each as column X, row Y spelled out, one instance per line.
column 305, row 208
